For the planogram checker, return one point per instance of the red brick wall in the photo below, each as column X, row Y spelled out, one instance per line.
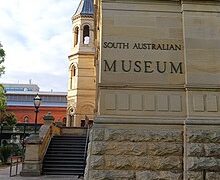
column 21, row 112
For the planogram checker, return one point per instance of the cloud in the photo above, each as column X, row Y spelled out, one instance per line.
column 36, row 36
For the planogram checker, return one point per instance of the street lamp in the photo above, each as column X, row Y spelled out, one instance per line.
column 37, row 101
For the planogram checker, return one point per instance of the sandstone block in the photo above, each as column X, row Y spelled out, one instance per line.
column 111, row 175
column 203, row 136
column 152, row 175
column 167, row 163
column 212, row 175
column 138, row 135
column 118, row 162
column 203, row 163
column 97, row 162
column 195, row 149
column 191, row 175
column 98, row 147
column 143, row 163
column 212, row 150
column 119, row 148
column 97, row 134
column 164, row 149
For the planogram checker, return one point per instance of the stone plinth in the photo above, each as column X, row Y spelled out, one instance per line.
column 152, row 151
column 32, row 165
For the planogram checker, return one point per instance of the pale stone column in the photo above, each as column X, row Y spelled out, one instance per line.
column 202, row 126
column 138, row 132
column 32, row 165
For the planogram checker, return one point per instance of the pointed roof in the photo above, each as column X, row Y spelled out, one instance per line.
column 85, row 8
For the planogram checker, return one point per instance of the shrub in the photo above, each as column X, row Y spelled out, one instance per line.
column 5, row 153
column 10, row 150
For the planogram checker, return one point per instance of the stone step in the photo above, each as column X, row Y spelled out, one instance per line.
column 65, row 153
column 78, row 173
column 61, row 161
column 76, row 166
column 67, row 158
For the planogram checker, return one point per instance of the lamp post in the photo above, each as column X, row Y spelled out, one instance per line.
column 37, row 101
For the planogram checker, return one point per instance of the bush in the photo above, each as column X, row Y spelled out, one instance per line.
column 16, row 149
column 10, row 150
column 5, row 153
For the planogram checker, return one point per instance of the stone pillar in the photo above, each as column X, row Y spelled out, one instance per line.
column 201, row 54
column 48, row 119
column 32, row 165
column 138, row 132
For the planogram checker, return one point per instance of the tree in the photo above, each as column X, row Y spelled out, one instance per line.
column 2, row 59
column 8, row 119
column 2, row 99
column 2, row 91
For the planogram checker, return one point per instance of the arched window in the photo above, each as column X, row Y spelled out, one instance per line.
column 72, row 75
column 26, row 119
column 73, row 71
column 76, row 36
column 86, row 34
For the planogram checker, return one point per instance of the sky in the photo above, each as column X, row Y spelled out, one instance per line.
column 36, row 36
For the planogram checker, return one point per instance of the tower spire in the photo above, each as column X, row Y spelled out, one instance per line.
column 85, row 8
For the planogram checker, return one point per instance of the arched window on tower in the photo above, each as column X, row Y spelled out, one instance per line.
column 72, row 75
column 86, row 34
column 76, row 36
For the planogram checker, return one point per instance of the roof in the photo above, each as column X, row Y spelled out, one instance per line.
column 49, row 99
column 85, row 8
column 21, row 87
column 30, row 104
column 48, row 93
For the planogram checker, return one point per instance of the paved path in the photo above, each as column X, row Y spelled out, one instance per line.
column 4, row 175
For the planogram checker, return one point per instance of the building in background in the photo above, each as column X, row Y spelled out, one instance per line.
column 20, row 102
column 82, row 71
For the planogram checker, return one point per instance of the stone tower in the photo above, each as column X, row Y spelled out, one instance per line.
column 81, row 81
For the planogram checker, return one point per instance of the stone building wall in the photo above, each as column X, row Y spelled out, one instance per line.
column 141, row 152
column 155, row 122
column 202, row 152
column 147, row 152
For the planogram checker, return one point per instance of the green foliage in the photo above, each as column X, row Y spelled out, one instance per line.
column 5, row 153
column 2, row 99
column 8, row 150
column 8, row 119
column 16, row 149
column 2, row 59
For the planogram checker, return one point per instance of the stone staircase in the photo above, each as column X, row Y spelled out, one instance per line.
column 65, row 155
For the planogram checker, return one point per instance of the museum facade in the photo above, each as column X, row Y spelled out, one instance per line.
column 158, row 93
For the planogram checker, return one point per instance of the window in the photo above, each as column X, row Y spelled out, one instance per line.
column 26, row 119
column 72, row 75
column 76, row 36
column 86, row 34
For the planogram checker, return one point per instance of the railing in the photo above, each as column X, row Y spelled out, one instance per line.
column 46, row 133
column 87, row 140
column 15, row 160
column 23, row 130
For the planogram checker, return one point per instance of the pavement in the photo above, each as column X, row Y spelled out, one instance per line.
column 5, row 175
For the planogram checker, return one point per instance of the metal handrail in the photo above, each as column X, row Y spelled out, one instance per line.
column 87, row 140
